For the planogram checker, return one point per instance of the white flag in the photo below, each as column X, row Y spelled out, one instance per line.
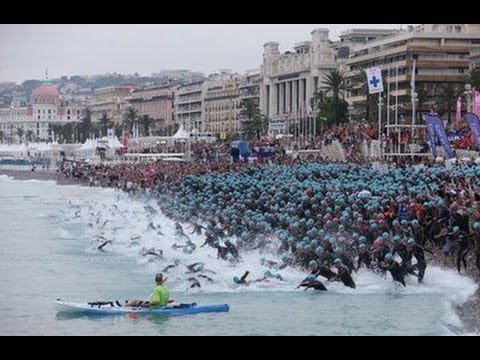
column 374, row 79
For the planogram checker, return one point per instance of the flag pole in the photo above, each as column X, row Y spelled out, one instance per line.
column 388, row 106
column 380, row 121
column 413, row 100
column 396, row 109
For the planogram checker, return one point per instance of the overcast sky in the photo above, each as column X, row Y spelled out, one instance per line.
column 72, row 49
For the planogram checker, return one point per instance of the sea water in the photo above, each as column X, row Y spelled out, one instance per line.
column 49, row 236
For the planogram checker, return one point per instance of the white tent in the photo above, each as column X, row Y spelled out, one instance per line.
column 180, row 134
column 16, row 150
column 114, row 143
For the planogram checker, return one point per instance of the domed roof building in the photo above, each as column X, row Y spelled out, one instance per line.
column 46, row 94
column 43, row 118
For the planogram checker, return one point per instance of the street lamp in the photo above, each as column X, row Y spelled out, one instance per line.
column 468, row 94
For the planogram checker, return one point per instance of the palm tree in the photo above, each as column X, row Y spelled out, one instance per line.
column 105, row 123
column 474, row 77
column 129, row 119
column 254, row 124
column 334, row 108
column 146, row 122
column 30, row 135
column 86, row 124
column 335, row 83
column 422, row 96
column 446, row 99
column 20, row 133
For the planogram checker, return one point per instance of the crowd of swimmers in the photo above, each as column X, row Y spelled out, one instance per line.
column 329, row 219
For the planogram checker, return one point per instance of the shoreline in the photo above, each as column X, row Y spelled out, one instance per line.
column 41, row 175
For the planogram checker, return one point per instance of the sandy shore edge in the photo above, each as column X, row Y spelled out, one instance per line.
column 38, row 175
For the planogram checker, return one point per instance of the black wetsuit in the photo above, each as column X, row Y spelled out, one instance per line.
column 365, row 257
column 462, row 252
column 243, row 279
column 344, row 275
column 197, row 229
column 401, row 249
column 348, row 262
column 417, row 252
column 397, row 271
column 195, row 283
column 194, row 267
column 232, row 249
column 210, row 239
column 380, row 253
column 314, row 284
column 324, row 272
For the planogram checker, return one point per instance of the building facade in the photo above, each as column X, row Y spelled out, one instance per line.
column 474, row 59
column 440, row 53
column 36, row 121
column 189, row 105
column 291, row 79
column 112, row 101
column 249, row 86
column 222, row 107
column 157, row 102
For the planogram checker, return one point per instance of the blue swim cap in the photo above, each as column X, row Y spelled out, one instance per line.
column 319, row 249
column 476, row 226
column 236, row 279
column 456, row 229
column 337, row 261
column 362, row 247
column 389, row 256
column 411, row 241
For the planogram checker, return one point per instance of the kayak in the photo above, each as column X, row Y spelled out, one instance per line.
column 110, row 307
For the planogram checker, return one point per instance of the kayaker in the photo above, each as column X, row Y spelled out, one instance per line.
column 160, row 296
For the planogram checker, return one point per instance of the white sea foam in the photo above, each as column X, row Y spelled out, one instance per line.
column 125, row 221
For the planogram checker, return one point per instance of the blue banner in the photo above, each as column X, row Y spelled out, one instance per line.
column 474, row 124
column 439, row 131
column 431, row 135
